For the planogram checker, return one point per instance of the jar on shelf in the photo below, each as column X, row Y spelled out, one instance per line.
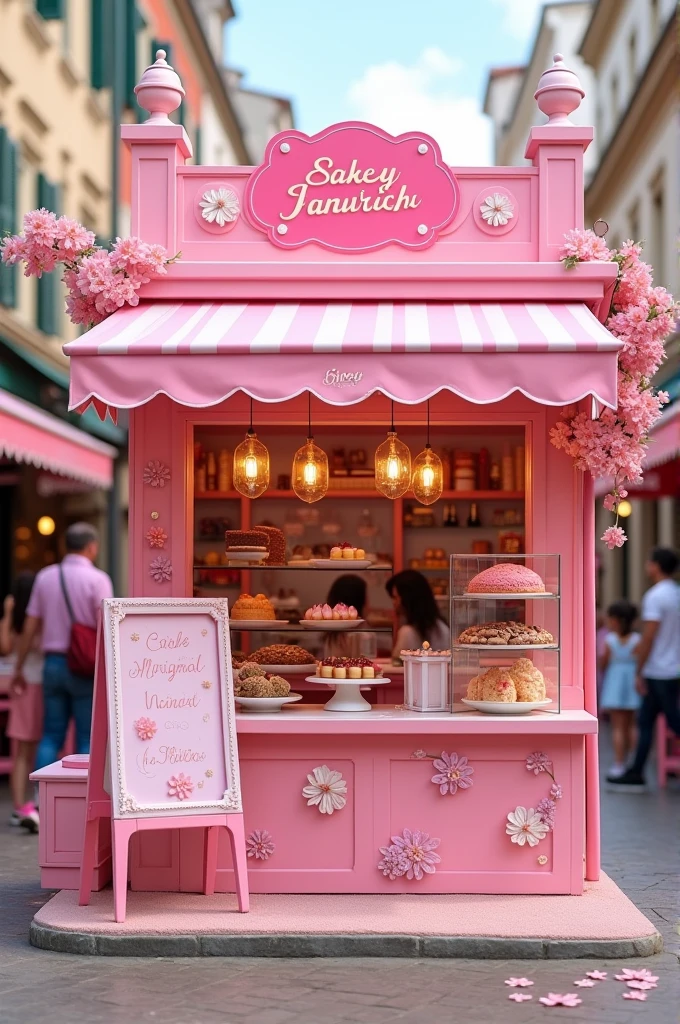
column 426, row 679
column 225, row 462
column 211, row 466
column 464, row 474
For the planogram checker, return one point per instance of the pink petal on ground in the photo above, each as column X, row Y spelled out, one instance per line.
column 635, row 995
column 518, row 982
column 642, row 985
column 520, row 997
column 596, row 975
column 585, row 983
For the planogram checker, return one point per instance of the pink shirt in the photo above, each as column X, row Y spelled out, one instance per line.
column 87, row 586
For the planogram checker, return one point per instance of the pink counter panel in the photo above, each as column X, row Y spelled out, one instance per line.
column 389, row 789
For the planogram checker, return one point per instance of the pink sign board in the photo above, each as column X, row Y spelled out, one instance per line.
column 352, row 188
column 172, row 734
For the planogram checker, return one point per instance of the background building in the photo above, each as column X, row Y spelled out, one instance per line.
column 626, row 53
column 67, row 74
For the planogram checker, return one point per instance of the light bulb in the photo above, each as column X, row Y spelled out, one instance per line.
column 251, row 466
column 428, row 476
column 310, row 472
column 392, row 467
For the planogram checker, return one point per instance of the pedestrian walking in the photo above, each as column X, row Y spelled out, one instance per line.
column 658, row 661
column 25, row 701
column 619, row 695
column 63, row 607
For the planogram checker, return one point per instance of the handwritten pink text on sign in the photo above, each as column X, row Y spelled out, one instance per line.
column 352, row 188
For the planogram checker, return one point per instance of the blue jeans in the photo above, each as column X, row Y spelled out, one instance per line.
column 65, row 696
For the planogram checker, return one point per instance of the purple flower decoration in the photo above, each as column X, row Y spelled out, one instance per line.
column 556, row 791
column 160, row 569
column 453, row 773
column 546, row 810
column 394, row 862
column 538, row 762
column 260, row 844
column 418, row 849
column 156, row 473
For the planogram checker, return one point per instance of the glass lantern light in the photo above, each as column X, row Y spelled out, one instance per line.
column 428, row 473
column 392, row 465
column 251, row 464
column 310, row 466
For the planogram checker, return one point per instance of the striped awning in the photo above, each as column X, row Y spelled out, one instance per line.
column 302, row 341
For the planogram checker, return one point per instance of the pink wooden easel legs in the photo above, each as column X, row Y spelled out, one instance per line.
column 122, row 830
column 237, row 838
column 87, row 861
column 210, row 866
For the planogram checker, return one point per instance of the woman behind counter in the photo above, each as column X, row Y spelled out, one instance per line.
column 349, row 589
column 417, row 613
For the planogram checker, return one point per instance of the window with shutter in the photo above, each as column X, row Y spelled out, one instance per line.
column 48, row 315
column 101, row 34
column 8, row 213
column 50, row 9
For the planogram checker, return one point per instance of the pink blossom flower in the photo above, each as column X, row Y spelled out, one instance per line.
column 520, row 997
column 556, row 791
column 596, row 975
column 453, row 773
column 180, row 786
column 156, row 473
column 39, row 260
column 146, row 728
column 641, row 985
column 518, row 982
column 40, row 227
column 13, row 249
column 641, row 996
column 160, row 569
column 156, row 537
column 538, row 762
column 628, row 974
column 583, row 245
column 394, row 863
column 260, row 844
column 73, row 238
column 585, row 983
column 546, row 811
column 418, row 849
column 553, row 999
column 614, row 537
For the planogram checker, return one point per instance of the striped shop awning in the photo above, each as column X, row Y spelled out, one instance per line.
column 382, row 341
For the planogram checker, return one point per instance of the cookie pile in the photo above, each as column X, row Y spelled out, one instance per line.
column 522, row 682
column 251, row 681
column 502, row 634
column 282, row 654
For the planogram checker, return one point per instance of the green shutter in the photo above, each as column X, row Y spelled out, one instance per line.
column 50, row 9
column 48, row 316
column 158, row 44
column 101, row 35
column 197, row 146
column 8, row 213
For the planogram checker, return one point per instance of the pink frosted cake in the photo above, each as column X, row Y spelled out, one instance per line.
column 506, row 578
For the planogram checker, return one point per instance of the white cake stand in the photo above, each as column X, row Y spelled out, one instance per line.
column 347, row 696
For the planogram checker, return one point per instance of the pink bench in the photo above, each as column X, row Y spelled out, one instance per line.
column 667, row 751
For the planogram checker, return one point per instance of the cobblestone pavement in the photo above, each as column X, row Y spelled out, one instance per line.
column 641, row 851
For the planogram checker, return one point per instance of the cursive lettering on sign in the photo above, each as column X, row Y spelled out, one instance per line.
column 363, row 202
column 154, row 642
column 152, row 700
column 342, row 379
column 173, row 755
column 147, row 668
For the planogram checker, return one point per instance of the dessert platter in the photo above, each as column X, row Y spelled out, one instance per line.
column 261, row 545
column 343, row 553
column 283, row 659
column 506, row 580
column 348, row 675
column 253, row 611
column 339, row 617
column 514, row 690
column 505, row 634
column 259, row 692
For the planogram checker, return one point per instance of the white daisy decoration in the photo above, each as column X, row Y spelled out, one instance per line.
column 326, row 790
column 220, row 206
column 496, row 210
column 526, row 826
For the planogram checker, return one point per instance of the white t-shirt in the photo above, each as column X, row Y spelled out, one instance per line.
column 661, row 604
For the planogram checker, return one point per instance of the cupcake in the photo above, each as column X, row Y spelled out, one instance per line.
column 368, row 672
column 339, row 672
column 348, row 553
column 359, row 553
column 326, row 671
column 336, row 552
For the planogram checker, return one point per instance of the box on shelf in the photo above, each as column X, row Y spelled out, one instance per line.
column 426, row 679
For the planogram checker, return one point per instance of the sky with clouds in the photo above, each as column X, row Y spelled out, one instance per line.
column 401, row 64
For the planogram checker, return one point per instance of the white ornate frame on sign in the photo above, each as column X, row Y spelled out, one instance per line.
column 114, row 611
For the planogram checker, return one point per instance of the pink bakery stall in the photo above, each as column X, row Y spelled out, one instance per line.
column 355, row 295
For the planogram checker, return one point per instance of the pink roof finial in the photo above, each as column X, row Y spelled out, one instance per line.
column 559, row 92
column 159, row 90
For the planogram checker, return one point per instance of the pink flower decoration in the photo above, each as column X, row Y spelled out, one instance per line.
column 156, row 473
column 453, row 773
column 156, row 537
column 260, row 844
column 180, row 786
column 546, row 810
column 411, row 854
column 581, row 246
column 520, row 997
column 555, row 791
column 553, row 999
column 146, row 728
column 518, row 982
column 585, row 983
column 641, row 996
column 160, row 569
column 643, row 986
column 614, row 537
column 627, row 974
column 596, row 975
column 538, row 762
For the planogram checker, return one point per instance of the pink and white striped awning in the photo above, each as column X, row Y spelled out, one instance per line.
column 408, row 351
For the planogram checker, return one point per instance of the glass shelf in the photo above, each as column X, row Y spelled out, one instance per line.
column 342, row 564
column 292, row 627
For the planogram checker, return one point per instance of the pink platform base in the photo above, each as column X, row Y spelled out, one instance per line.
column 602, row 922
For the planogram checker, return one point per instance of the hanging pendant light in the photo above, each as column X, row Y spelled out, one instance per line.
column 310, row 466
column 392, row 465
column 251, row 464
column 428, row 474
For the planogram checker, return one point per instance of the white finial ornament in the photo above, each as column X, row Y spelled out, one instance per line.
column 559, row 92
column 159, row 90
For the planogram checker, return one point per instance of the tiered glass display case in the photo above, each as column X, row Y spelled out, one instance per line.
column 517, row 634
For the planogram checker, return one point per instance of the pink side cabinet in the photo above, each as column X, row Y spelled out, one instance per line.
column 63, row 804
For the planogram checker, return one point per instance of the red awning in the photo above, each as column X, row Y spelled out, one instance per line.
column 30, row 435
column 200, row 354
